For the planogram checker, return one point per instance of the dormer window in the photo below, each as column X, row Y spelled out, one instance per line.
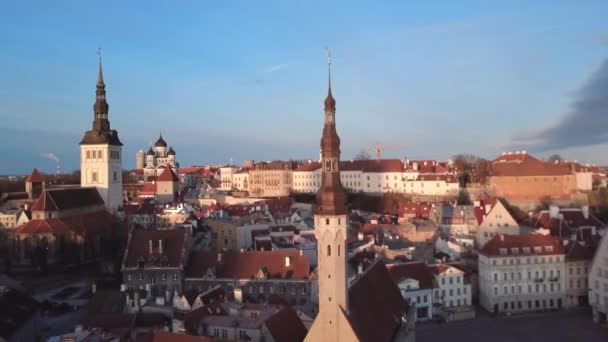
column 537, row 250
column 526, row 250
column 549, row 249
column 514, row 250
column 502, row 251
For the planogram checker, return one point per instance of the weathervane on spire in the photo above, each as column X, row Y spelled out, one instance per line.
column 328, row 56
column 99, row 53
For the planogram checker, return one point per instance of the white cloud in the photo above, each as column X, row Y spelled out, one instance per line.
column 274, row 68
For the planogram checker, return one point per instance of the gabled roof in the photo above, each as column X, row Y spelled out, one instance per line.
column 577, row 251
column 286, row 326
column 376, row 306
column 174, row 248
column 68, row 198
column 246, row 265
column 35, row 177
column 167, row 176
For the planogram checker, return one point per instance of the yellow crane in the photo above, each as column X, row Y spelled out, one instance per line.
column 378, row 149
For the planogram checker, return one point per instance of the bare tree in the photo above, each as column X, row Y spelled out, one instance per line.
column 555, row 157
column 362, row 155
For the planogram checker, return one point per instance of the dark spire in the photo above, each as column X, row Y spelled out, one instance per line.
column 331, row 198
column 100, row 108
column 330, row 103
column 101, row 132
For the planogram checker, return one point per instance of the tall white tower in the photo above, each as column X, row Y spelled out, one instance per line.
column 101, row 152
column 331, row 324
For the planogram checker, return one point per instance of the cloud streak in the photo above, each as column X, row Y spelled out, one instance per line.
column 274, row 68
column 584, row 124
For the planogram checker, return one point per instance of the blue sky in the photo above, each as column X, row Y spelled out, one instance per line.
column 247, row 79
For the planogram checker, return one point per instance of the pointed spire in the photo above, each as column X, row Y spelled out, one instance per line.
column 330, row 103
column 100, row 72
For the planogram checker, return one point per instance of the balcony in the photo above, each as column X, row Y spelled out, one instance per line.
column 553, row 279
column 539, row 280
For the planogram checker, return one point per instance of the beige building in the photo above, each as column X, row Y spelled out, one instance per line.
column 272, row 179
column 225, row 232
column 520, row 273
column 496, row 221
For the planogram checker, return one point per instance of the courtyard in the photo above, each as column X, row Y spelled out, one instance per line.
column 569, row 326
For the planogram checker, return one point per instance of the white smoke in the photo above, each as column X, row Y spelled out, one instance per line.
column 50, row 156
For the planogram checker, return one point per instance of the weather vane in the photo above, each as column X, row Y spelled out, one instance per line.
column 328, row 55
column 99, row 53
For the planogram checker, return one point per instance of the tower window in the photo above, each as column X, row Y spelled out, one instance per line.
column 99, row 154
column 327, row 221
column 328, row 250
column 94, row 154
column 88, row 154
column 115, row 178
column 338, row 250
column 94, row 174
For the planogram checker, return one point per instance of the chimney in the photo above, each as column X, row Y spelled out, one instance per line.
column 502, row 237
column 360, row 236
column 219, row 257
column 553, row 211
column 160, row 246
column 287, row 261
column 360, row 268
column 150, row 248
column 301, row 252
column 238, row 295
column 585, row 211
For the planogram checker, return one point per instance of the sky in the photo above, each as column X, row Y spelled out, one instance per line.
column 227, row 81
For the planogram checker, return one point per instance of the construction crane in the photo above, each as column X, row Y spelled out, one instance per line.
column 378, row 149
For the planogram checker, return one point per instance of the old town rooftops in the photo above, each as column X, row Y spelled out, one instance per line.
column 68, row 198
column 522, row 245
column 249, row 265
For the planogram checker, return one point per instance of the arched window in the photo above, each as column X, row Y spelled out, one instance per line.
column 338, row 250
column 328, row 250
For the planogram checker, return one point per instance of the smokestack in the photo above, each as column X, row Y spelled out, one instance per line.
column 585, row 211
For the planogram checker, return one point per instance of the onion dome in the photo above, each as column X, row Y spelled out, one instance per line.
column 160, row 142
column 150, row 152
column 171, row 152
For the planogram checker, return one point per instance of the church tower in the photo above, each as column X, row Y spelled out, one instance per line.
column 101, row 152
column 331, row 324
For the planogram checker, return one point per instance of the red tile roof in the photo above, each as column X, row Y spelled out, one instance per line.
column 69, row 198
column 523, row 164
column 35, row 177
column 307, row 167
column 245, row 265
column 189, row 170
column 375, row 305
column 148, row 189
column 174, row 248
column 167, row 176
column 508, row 242
column 412, row 270
column 83, row 225
column 286, row 326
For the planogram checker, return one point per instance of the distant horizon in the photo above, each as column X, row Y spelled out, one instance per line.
column 247, row 81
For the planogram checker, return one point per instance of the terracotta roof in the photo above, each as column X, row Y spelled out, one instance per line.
column 306, row 167
column 69, row 198
column 523, row 164
column 189, row 170
column 412, row 270
column 167, row 176
column 372, row 165
column 509, row 242
column 286, row 326
column 85, row 224
column 174, row 248
column 35, row 177
column 245, row 265
column 375, row 305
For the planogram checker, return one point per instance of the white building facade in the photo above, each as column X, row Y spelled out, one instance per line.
column 598, row 283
